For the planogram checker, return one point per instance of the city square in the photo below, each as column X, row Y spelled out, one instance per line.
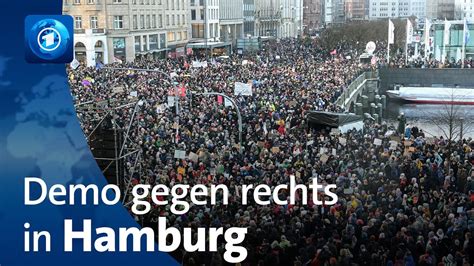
column 372, row 99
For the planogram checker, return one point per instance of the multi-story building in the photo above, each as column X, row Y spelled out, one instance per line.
column 380, row 9
column 249, row 18
column 464, row 9
column 205, row 20
column 327, row 12
column 291, row 18
column 110, row 30
column 231, row 20
column 267, row 17
column 312, row 15
column 339, row 11
column 440, row 9
column 356, row 10
column 176, row 26
column 90, row 29
column 279, row 18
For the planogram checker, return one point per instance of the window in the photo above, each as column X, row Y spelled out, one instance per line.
column 202, row 14
column 144, row 44
column 135, row 22
column 94, row 22
column 78, row 22
column 153, row 41
column 77, row 2
column 192, row 3
column 117, row 1
column 160, row 21
column 153, row 21
column 142, row 21
column 172, row 20
column 147, row 21
column 167, row 20
column 179, row 20
column 171, row 36
column 197, row 30
column 91, row 2
column 138, row 44
column 118, row 22
column 193, row 14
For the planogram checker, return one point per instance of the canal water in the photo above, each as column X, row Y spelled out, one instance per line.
column 422, row 115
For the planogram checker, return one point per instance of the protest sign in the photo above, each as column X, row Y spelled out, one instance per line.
column 193, row 157
column 324, row 158
column 227, row 102
column 242, row 89
column 179, row 154
column 377, row 142
column 199, row 64
column 74, row 64
column 343, row 141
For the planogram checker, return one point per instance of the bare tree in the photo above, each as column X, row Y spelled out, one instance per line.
column 450, row 119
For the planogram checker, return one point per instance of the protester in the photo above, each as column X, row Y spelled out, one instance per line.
column 404, row 202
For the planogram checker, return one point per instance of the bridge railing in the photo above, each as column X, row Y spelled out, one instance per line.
column 354, row 87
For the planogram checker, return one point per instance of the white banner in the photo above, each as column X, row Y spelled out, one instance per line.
column 227, row 103
column 198, row 64
column 409, row 31
column 447, row 26
column 391, row 35
column 244, row 89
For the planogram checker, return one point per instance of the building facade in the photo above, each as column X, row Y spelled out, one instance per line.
column 312, row 15
column 339, row 11
column 464, row 9
column 327, row 12
column 380, row 9
column 204, row 20
column 107, row 31
column 440, row 9
column 249, row 18
column 231, row 20
column 356, row 10
column 267, row 17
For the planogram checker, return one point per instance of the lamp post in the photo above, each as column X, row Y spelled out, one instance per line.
column 239, row 116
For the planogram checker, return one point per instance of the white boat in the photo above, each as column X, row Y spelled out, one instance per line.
column 434, row 95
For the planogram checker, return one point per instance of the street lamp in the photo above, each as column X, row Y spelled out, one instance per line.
column 239, row 116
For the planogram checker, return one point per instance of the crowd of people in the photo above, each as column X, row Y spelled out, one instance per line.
column 402, row 201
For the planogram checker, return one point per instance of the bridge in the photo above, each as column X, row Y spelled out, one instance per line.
column 366, row 83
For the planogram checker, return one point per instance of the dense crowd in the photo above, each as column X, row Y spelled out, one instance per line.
column 401, row 201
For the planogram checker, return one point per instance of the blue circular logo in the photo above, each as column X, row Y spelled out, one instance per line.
column 49, row 39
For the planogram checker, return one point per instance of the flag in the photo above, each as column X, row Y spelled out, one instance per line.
column 333, row 52
column 466, row 34
column 391, row 34
column 447, row 25
column 427, row 37
column 409, row 31
column 182, row 91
